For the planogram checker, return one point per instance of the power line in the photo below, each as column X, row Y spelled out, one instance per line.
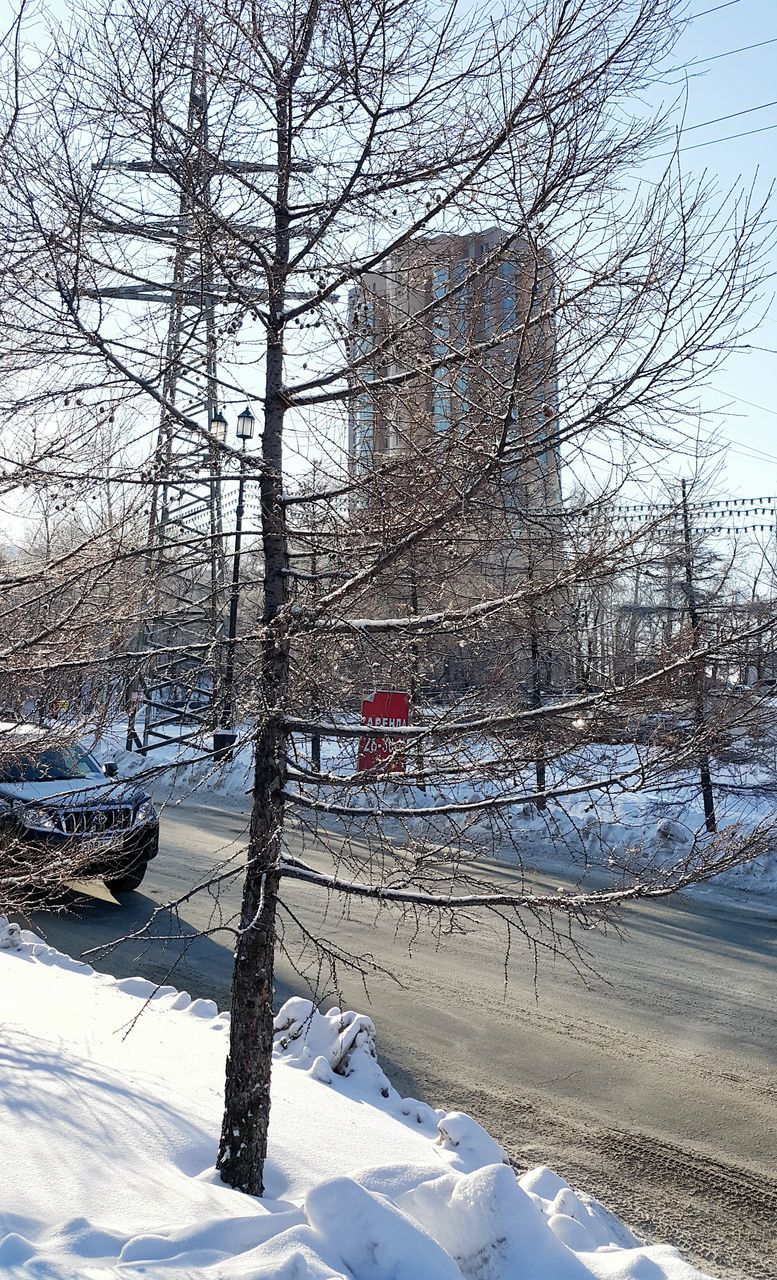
column 688, row 128
column 729, row 137
column 693, row 16
column 752, row 455
column 744, row 450
column 751, row 403
column 727, row 53
column 710, row 142
column 708, row 508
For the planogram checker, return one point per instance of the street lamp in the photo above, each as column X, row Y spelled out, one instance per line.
column 245, row 425
column 227, row 737
column 218, row 426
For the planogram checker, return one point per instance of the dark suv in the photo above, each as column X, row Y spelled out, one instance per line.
column 56, row 799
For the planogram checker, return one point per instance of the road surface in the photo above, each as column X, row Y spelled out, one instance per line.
column 650, row 1084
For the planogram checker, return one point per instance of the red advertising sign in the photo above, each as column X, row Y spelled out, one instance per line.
column 384, row 710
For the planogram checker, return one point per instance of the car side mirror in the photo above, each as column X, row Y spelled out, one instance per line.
column 111, row 769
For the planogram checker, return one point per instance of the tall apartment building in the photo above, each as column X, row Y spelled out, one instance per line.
column 453, row 345
column 453, row 331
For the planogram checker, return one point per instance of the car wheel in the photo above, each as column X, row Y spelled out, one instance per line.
column 130, row 880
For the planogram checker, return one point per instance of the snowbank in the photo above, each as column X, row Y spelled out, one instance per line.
column 649, row 827
column 180, row 770
column 110, row 1093
column 611, row 829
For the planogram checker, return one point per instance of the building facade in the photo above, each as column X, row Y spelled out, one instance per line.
column 453, row 368
column 455, row 338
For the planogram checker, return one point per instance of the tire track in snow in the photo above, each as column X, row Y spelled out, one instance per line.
column 721, row 1216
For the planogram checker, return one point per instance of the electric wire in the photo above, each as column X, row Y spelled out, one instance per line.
column 751, row 454
column 729, row 137
column 727, row 5
column 751, row 403
column 747, row 111
column 727, row 53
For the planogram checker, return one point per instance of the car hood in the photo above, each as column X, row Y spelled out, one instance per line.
column 75, row 793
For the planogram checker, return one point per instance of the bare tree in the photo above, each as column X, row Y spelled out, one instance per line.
column 439, row 278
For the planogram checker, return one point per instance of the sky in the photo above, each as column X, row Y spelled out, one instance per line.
column 726, row 64
column 719, row 86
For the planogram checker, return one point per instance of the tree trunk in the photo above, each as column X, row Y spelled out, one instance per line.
column 245, row 1127
column 700, row 711
column 243, row 1145
column 244, row 1133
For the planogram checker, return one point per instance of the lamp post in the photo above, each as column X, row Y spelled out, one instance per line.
column 224, row 739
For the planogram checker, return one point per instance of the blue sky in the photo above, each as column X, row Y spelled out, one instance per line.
column 717, row 88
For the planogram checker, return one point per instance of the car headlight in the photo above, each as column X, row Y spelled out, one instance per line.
column 145, row 812
column 37, row 819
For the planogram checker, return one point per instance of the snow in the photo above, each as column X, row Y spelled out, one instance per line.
column 648, row 826
column 630, row 827
column 179, row 770
column 622, row 829
column 110, row 1097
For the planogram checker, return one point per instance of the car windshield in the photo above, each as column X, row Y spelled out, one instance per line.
column 54, row 764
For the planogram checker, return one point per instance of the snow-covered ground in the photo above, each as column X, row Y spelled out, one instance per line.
column 110, row 1094
column 623, row 826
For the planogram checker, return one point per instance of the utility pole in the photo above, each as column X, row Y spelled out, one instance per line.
column 536, row 692
column 227, row 736
column 414, row 671
column 699, row 672
column 178, row 689
column 315, row 738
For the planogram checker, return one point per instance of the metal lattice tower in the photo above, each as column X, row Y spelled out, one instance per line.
column 178, row 693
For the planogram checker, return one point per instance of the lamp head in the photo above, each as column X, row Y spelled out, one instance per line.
column 245, row 424
column 218, row 425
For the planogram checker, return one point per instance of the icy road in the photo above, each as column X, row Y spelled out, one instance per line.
column 652, row 1084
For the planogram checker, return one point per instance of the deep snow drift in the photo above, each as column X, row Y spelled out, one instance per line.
column 110, row 1093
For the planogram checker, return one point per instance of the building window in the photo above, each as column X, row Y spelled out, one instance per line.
column 441, row 348
column 440, row 277
column 363, row 430
column 507, row 312
column 547, row 435
column 364, row 417
column 441, row 405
